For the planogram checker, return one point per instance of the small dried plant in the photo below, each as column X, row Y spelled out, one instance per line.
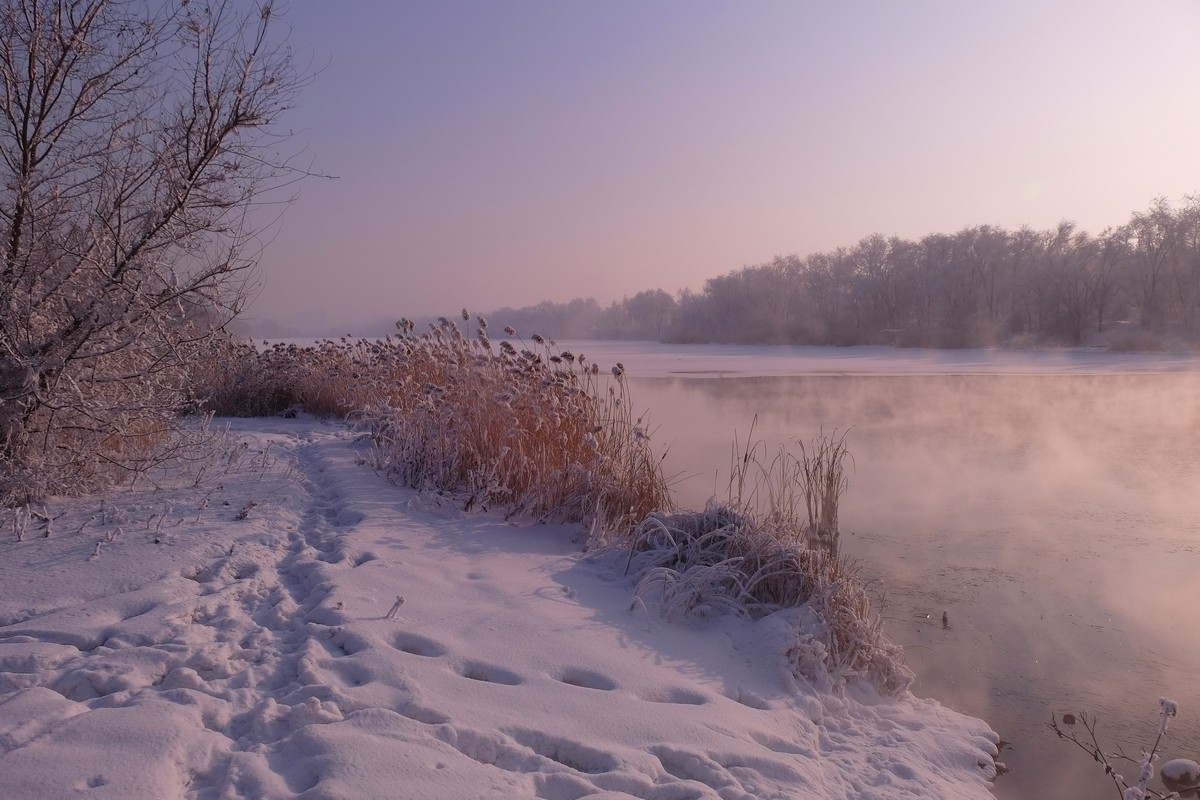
column 20, row 520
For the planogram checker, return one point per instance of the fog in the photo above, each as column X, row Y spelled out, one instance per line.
column 1053, row 517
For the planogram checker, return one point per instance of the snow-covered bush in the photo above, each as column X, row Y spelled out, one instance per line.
column 773, row 546
column 723, row 560
column 236, row 379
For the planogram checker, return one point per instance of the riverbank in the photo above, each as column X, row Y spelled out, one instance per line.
column 243, row 635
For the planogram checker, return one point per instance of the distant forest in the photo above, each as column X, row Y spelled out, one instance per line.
column 1136, row 286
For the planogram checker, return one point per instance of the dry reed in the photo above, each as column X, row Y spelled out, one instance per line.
column 534, row 431
column 793, row 493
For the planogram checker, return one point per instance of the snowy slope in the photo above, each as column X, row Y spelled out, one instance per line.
column 170, row 649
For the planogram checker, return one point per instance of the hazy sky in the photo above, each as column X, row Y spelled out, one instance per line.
column 501, row 153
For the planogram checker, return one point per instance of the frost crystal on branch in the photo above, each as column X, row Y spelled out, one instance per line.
column 1169, row 709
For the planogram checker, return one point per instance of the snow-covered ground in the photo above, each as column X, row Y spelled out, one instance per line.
column 240, row 636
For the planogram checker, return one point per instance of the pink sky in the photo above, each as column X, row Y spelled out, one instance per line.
column 496, row 154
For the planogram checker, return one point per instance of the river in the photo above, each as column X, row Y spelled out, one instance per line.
column 1047, row 502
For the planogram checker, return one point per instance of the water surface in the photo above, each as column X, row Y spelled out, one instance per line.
column 1052, row 513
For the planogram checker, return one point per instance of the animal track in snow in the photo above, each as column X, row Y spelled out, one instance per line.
column 417, row 645
column 587, row 679
column 95, row 782
column 352, row 674
column 342, row 644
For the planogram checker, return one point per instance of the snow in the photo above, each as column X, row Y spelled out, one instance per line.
column 238, row 635
column 1181, row 773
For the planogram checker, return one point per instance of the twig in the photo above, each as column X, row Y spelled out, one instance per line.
column 1092, row 748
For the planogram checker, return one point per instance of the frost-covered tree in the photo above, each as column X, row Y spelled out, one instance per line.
column 135, row 136
column 1152, row 247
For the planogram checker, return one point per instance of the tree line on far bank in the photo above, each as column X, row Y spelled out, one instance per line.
column 1135, row 286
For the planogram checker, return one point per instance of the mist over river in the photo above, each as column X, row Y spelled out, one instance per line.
column 1048, row 503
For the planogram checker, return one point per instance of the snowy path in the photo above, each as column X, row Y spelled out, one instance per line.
column 202, row 655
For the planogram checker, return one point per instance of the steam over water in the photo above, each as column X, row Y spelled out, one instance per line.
column 1054, row 517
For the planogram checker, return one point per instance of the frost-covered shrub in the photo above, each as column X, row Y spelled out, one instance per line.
column 724, row 560
column 236, row 379
column 1180, row 776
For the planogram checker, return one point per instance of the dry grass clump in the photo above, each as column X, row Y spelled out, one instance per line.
column 773, row 546
column 535, row 430
column 723, row 560
column 334, row 379
column 538, row 431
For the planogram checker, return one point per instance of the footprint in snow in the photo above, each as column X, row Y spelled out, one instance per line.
column 587, row 679
column 364, row 558
column 675, row 694
column 488, row 673
column 417, row 645
column 575, row 755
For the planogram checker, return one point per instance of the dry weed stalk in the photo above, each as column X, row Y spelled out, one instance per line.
column 794, row 494
column 823, row 482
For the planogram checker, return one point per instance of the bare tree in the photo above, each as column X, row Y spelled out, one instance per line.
column 1152, row 250
column 135, row 137
column 1186, row 275
column 1105, row 272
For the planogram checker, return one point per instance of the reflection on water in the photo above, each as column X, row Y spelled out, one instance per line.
column 1055, row 519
